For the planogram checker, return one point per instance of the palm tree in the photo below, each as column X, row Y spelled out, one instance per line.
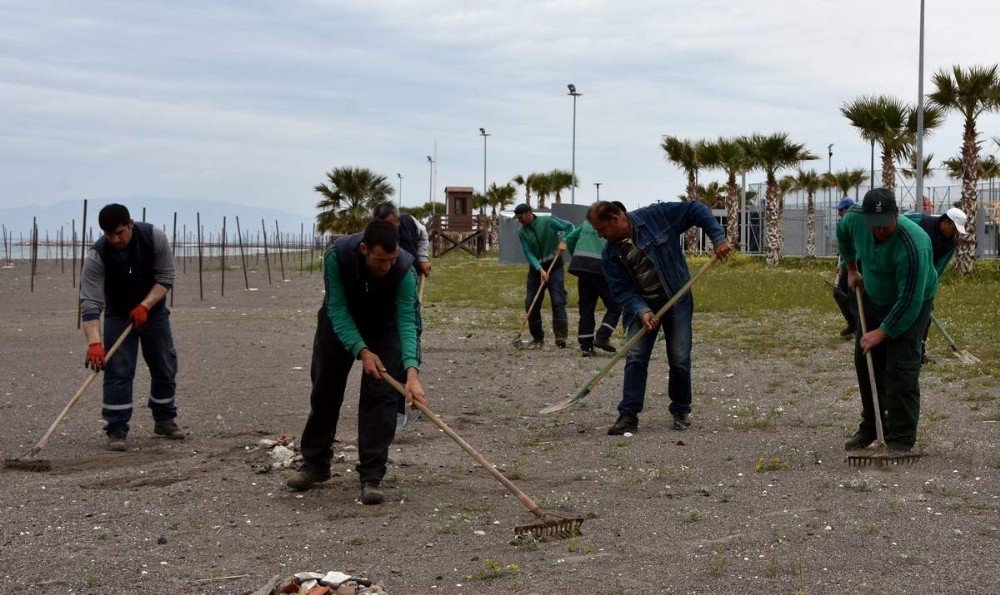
column 892, row 123
column 713, row 195
column 684, row 154
column 810, row 182
column 729, row 156
column 559, row 180
column 910, row 171
column 772, row 153
column 349, row 197
column 524, row 183
column 541, row 184
column 498, row 198
column 847, row 179
column 970, row 92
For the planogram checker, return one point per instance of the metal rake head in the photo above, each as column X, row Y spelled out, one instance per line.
column 39, row 465
column 557, row 527
column 881, row 460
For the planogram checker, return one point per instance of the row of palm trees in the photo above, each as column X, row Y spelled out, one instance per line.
column 544, row 185
column 880, row 119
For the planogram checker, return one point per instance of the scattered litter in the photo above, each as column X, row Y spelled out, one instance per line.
column 282, row 453
column 627, row 434
column 317, row 583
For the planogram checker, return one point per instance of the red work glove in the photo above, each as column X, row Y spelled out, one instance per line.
column 95, row 356
column 138, row 316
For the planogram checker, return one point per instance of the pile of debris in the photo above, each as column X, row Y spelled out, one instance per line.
column 317, row 583
column 281, row 451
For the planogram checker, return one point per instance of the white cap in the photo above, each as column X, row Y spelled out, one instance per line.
column 957, row 217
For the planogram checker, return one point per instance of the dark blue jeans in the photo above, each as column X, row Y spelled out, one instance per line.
column 557, row 295
column 676, row 327
column 119, row 371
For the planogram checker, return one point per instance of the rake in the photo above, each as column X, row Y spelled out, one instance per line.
column 963, row 356
column 881, row 458
column 553, row 525
column 31, row 464
column 583, row 392
column 518, row 342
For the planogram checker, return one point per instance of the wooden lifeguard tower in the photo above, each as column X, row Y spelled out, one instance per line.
column 459, row 227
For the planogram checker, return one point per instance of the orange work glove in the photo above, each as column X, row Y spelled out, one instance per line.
column 95, row 356
column 138, row 316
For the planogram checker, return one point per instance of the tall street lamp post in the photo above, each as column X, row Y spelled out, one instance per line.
column 430, row 185
column 829, row 171
column 400, row 176
column 574, row 95
column 484, row 134
column 598, row 186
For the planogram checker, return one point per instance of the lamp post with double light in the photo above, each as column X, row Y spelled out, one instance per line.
column 574, row 95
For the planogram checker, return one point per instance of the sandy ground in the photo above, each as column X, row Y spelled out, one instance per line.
column 666, row 511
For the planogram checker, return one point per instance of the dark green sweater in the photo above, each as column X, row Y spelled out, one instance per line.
column 898, row 273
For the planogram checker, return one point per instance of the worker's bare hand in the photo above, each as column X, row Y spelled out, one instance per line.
column 649, row 321
column 871, row 339
column 414, row 390
column 372, row 364
column 854, row 280
column 544, row 275
column 424, row 268
column 562, row 246
column 723, row 250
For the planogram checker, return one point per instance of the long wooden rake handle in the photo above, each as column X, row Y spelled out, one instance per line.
column 631, row 342
column 420, row 292
column 79, row 393
column 513, row 489
column 541, row 287
column 871, row 369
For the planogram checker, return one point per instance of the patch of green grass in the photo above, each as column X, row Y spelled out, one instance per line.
column 354, row 540
column 564, row 501
column 775, row 463
column 526, row 542
column 690, row 514
column 493, row 570
column 861, row 484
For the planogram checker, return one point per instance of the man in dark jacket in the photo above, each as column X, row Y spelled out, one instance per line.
column 644, row 265
column 369, row 313
column 127, row 274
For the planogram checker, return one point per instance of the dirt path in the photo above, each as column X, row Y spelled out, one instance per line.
column 755, row 497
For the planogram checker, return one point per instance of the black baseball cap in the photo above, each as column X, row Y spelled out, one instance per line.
column 521, row 209
column 879, row 207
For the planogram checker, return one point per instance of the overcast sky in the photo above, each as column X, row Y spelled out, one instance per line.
column 251, row 102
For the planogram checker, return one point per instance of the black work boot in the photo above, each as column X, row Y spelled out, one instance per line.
column 371, row 495
column 306, row 479
column 587, row 352
column 604, row 345
column 626, row 422
column 682, row 421
column 847, row 333
column 561, row 343
column 858, row 442
column 116, row 442
column 170, row 431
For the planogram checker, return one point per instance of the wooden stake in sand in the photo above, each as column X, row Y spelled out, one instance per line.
column 223, row 256
column 201, row 284
column 302, row 248
column 173, row 248
column 72, row 265
column 243, row 257
column 83, row 255
column 62, row 260
column 266, row 260
column 34, row 250
column 280, row 247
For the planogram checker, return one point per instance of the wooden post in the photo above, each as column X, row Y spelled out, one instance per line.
column 263, row 229
column 48, row 246
column 257, row 251
column 34, row 250
column 201, row 284
column 62, row 260
column 302, row 248
column 72, row 266
column 223, row 257
column 173, row 249
column 83, row 256
column 243, row 257
column 280, row 247
column 143, row 214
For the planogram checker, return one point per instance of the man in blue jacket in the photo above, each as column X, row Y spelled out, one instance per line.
column 644, row 265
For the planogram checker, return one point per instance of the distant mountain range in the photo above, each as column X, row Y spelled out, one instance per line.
column 159, row 211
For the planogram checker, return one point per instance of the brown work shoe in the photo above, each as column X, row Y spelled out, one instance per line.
column 306, row 479
column 116, row 442
column 170, row 431
column 371, row 495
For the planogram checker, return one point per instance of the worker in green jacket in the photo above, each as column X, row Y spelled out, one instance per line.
column 899, row 286
column 369, row 313
column 586, row 247
column 540, row 241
